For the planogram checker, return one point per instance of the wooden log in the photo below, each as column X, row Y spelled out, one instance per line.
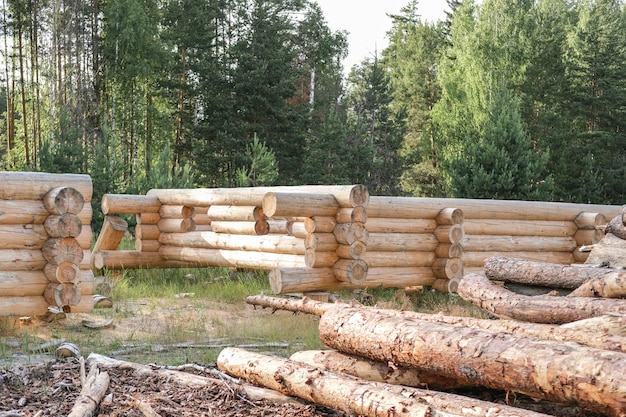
column 35, row 185
column 289, row 280
column 260, row 227
column 59, row 250
column 487, row 243
column 65, row 272
column 588, row 237
column 579, row 257
column 611, row 250
column 65, row 225
column 14, row 212
column 610, row 324
column 236, row 213
column 446, row 285
column 449, row 216
column 347, row 233
column 62, row 295
column 38, row 306
column 201, row 218
column 146, row 245
column 323, row 242
column 299, row 204
column 133, row 259
column 346, row 195
column 22, row 236
column 592, row 337
column 398, row 277
column 94, row 388
column 477, row 258
column 612, row 285
column 113, row 230
column 398, row 242
column 176, row 225
column 149, row 232
column 399, row 259
column 353, row 271
column 61, row 200
column 167, row 211
column 447, row 268
column 479, row 290
column 211, row 240
column 354, row 251
column 617, row 227
column 531, row 366
column 590, row 221
column 230, row 258
column 278, row 226
column 351, row 395
column 370, row 370
column 315, row 259
column 546, row 274
column 320, row 224
column 392, row 225
column 449, row 250
column 449, row 233
column 34, row 283
column 428, row 208
column 129, row 204
column 21, row 260
column 297, row 229
column 351, row 215
column 187, row 379
column 514, row 227
column 148, row 218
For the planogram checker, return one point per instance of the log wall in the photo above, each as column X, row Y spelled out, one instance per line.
column 320, row 238
column 45, row 242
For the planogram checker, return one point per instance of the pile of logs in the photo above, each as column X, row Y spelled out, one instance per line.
column 388, row 362
column 45, row 241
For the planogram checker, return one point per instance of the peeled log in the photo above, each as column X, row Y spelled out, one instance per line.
column 212, row 240
column 35, row 185
column 616, row 227
column 354, row 395
column 64, row 225
column 235, row 213
column 65, row 272
column 299, row 204
column 479, row 290
column 129, row 204
column 348, row 233
column 63, row 200
column 62, row 294
column 562, row 373
column 370, row 370
column 32, row 212
column 112, row 233
column 59, row 250
column 22, row 236
column 546, row 274
column 230, row 258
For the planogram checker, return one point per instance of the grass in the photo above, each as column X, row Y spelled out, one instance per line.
column 175, row 316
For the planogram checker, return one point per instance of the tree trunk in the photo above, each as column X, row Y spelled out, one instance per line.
column 353, row 395
column 611, row 251
column 94, row 388
column 546, row 274
column 592, row 336
column 612, row 285
column 370, row 370
column 594, row 378
column 479, row 290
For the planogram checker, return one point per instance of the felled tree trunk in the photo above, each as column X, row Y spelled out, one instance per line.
column 482, row 292
column 558, row 372
column 612, row 285
column 589, row 335
column 354, row 395
column 94, row 388
column 524, row 271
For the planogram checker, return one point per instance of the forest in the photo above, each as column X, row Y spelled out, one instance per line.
column 504, row 99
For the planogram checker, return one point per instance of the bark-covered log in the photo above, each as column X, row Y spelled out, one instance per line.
column 63, row 200
column 557, row 372
column 92, row 392
column 611, row 251
column 354, row 395
column 546, row 274
column 595, row 337
column 479, row 290
column 187, row 379
column 617, row 227
column 371, row 370
column 611, row 285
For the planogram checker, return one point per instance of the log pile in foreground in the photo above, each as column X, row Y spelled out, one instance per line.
column 539, row 360
column 45, row 240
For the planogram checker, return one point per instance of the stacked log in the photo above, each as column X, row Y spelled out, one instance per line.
column 413, row 349
column 45, row 250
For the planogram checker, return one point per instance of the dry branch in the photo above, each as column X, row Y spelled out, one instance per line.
column 94, row 388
